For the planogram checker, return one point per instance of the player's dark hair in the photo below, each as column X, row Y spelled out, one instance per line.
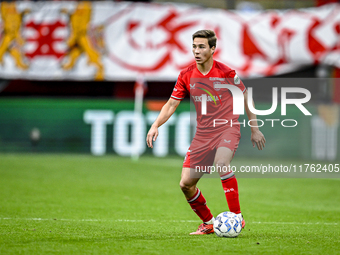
column 209, row 34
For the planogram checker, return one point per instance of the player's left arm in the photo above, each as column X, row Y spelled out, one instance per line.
column 256, row 135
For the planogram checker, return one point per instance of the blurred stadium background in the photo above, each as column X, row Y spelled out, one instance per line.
column 81, row 83
column 70, row 71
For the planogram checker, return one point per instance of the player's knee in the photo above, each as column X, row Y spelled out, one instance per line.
column 185, row 187
column 221, row 166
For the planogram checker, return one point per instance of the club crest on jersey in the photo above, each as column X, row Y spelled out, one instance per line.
column 215, row 83
column 237, row 79
column 192, row 86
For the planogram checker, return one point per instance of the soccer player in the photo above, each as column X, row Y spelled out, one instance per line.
column 214, row 141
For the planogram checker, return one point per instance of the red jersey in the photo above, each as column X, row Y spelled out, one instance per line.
column 219, row 101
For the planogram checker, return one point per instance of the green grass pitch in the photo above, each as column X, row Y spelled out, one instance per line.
column 80, row 204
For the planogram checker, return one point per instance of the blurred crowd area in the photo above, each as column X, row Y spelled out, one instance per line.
column 162, row 89
column 249, row 5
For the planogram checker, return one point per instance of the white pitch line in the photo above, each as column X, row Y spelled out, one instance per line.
column 175, row 221
column 296, row 223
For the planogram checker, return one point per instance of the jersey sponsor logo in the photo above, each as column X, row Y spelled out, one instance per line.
column 215, row 83
column 209, row 93
column 209, row 98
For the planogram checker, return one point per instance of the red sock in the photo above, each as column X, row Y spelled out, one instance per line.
column 229, row 184
column 199, row 206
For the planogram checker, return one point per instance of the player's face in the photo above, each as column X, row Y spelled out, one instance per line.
column 201, row 50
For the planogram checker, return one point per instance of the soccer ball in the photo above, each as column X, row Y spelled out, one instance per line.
column 227, row 224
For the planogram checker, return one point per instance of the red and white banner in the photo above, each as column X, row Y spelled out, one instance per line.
column 120, row 40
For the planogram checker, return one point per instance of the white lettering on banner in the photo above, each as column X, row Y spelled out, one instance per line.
column 98, row 120
column 126, row 139
column 121, row 143
column 161, row 146
column 124, row 146
column 280, row 41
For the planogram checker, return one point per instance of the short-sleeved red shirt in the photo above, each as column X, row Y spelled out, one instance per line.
column 219, row 100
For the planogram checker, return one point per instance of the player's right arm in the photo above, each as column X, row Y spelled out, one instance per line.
column 167, row 110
